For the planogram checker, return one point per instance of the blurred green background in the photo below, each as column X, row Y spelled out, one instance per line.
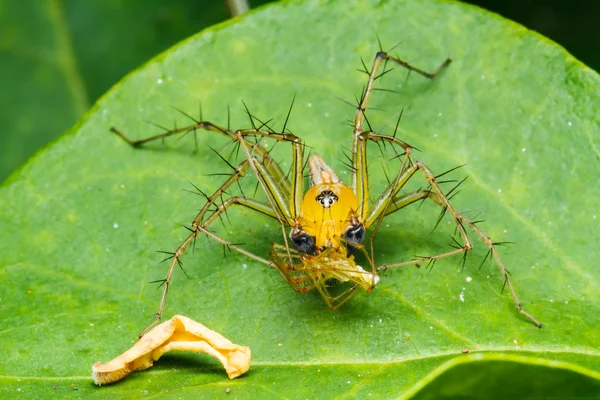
column 57, row 57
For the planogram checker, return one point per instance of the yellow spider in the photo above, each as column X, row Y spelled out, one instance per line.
column 327, row 224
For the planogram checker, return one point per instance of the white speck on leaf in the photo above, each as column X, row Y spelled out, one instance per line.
column 115, row 225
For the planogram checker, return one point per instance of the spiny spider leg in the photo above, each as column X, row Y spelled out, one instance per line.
column 460, row 219
column 359, row 174
column 244, row 201
column 268, row 172
column 359, row 177
column 289, row 213
column 390, row 202
column 271, row 165
column 309, row 278
column 377, row 215
column 306, row 273
column 199, row 225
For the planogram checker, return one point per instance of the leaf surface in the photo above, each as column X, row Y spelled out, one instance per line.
column 82, row 220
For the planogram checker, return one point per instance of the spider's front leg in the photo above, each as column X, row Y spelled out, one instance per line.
column 359, row 178
column 359, row 174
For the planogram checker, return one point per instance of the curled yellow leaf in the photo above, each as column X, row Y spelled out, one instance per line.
column 178, row 333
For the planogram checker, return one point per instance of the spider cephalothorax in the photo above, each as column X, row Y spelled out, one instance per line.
column 326, row 224
column 328, row 209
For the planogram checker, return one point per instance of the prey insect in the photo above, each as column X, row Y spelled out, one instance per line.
column 324, row 228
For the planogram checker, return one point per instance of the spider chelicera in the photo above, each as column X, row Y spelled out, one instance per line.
column 325, row 226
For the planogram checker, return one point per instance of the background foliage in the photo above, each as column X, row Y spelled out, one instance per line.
column 59, row 56
column 81, row 221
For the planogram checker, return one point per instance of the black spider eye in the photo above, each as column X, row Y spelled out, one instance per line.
column 354, row 234
column 304, row 243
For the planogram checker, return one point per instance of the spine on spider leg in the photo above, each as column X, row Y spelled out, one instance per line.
column 461, row 219
column 491, row 245
column 176, row 256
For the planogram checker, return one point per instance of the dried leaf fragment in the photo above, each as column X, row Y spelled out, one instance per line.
column 178, row 333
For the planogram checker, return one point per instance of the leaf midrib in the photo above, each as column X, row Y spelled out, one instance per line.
column 498, row 354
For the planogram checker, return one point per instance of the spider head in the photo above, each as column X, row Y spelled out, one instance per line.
column 329, row 210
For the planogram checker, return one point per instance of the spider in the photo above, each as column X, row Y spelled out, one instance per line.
column 325, row 226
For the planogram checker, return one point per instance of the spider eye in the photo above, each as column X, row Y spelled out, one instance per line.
column 355, row 233
column 304, row 243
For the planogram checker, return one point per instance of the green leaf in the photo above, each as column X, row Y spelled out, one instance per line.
column 82, row 220
column 60, row 56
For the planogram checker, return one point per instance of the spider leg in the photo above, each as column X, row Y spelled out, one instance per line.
column 387, row 205
column 290, row 214
column 299, row 281
column 342, row 298
column 359, row 176
column 243, row 201
column 308, row 272
column 272, row 166
column 200, row 224
column 276, row 194
column 386, row 199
